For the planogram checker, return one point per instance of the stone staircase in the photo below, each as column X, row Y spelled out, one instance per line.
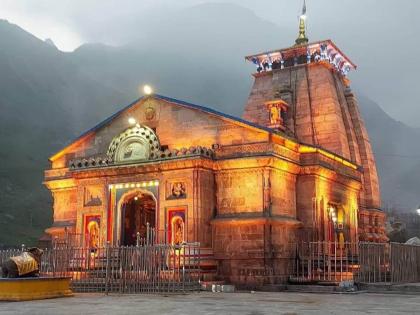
column 208, row 266
column 325, row 270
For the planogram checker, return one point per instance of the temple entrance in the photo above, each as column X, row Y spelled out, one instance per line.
column 136, row 213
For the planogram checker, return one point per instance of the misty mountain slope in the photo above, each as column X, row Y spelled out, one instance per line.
column 202, row 49
column 48, row 97
column 397, row 156
column 44, row 102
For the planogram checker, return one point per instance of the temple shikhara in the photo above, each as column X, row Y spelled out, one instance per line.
column 297, row 167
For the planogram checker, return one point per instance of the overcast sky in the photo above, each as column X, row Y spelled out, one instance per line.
column 381, row 36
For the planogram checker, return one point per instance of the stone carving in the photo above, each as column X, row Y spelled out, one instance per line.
column 24, row 265
column 93, row 162
column 178, row 190
column 276, row 109
column 243, row 149
column 136, row 150
column 150, row 113
column 92, row 231
column 177, row 230
column 92, row 196
column 275, row 118
column 138, row 143
column 192, row 151
column 90, row 162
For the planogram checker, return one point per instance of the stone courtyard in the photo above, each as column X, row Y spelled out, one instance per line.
column 246, row 303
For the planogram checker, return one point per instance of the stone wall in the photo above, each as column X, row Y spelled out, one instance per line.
column 65, row 204
column 239, row 191
column 283, row 193
column 323, row 112
column 317, row 192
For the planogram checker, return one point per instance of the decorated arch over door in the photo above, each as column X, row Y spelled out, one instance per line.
column 138, row 143
column 130, row 196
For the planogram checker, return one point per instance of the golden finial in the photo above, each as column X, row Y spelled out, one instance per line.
column 302, row 39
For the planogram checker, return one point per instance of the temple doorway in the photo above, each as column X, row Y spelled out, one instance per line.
column 137, row 213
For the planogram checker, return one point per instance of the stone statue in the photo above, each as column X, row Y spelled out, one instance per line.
column 25, row 265
column 178, row 231
column 275, row 118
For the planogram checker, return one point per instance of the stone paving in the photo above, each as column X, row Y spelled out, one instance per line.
column 259, row 303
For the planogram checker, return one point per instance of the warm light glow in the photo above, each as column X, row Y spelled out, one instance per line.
column 152, row 183
column 131, row 121
column 307, row 149
column 136, row 198
column 147, row 89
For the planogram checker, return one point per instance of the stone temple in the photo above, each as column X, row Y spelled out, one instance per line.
column 297, row 167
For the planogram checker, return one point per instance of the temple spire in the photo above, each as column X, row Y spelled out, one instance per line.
column 302, row 38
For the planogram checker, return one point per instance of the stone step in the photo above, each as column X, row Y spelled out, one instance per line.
column 311, row 288
column 381, row 287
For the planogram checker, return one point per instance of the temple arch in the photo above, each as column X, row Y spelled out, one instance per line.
column 136, row 209
column 138, row 143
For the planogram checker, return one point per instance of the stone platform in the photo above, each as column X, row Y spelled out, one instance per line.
column 24, row 289
column 381, row 287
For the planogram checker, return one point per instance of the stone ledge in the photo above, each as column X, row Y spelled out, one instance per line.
column 381, row 287
column 248, row 219
column 24, row 289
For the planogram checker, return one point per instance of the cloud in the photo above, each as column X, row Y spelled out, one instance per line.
column 378, row 35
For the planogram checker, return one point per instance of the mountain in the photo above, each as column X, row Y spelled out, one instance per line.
column 397, row 156
column 48, row 97
column 50, row 42
column 44, row 101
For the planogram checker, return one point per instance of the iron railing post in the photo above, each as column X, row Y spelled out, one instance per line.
column 107, row 267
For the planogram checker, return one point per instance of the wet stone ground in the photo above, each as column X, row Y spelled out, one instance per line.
column 246, row 303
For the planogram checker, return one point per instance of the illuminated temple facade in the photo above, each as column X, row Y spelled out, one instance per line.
column 297, row 167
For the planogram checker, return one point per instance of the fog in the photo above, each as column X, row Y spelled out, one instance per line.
column 380, row 36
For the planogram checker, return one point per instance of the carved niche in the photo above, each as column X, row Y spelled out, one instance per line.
column 92, row 196
column 138, row 143
column 277, row 110
column 176, row 190
column 151, row 110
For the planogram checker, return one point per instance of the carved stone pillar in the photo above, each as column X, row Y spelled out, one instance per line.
column 267, row 192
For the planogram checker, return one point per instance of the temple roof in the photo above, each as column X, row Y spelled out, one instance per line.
column 170, row 100
column 326, row 49
column 303, row 148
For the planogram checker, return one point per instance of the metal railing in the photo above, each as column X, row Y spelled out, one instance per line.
column 325, row 261
column 124, row 269
column 6, row 253
column 153, row 267
column 392, row 263
column 374, row 263
column 71, row 239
